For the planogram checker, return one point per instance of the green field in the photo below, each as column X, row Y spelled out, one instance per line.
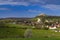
column 16, row 32
column 30, row 39
column 37, row 34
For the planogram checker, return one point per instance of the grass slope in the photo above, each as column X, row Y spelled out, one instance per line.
column 37, row 35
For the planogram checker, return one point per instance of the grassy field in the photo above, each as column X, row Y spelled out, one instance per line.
column 30, row 39
column 17, row 25
column 15, row 32
column 37, row 35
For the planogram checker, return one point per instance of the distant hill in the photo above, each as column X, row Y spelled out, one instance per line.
column 48, row 17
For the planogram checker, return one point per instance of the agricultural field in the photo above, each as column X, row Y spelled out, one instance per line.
column 17, row 33
column 10, row 31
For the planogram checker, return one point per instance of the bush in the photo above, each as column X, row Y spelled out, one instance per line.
column 2, row 25
column 45, row 28
column 28, row 33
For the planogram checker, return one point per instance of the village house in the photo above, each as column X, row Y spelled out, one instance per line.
column 49, row 19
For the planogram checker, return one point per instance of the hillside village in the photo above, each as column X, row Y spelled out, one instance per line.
column 42, row 25
column 51, row 22
column 40, row 21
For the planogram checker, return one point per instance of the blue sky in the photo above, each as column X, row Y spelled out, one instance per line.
column 28, row 8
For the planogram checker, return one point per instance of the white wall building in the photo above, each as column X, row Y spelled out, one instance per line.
column 38, row 20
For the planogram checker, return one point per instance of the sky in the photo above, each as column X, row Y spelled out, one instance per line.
column 28, row 8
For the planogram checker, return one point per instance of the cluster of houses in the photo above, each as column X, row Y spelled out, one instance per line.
column 54, row 25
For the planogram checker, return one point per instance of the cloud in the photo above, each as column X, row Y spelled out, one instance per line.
column 45, row 2
column 34, row 11
column 51, row 4
column 4, row 9
column 29, row 2
column 22, row 2
column 14, row 3
column 52, row 7
column 34, row 0
column 37, row 1
column 5, row 0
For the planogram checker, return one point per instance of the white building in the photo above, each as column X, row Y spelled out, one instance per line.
column 38, row 20
column 52, row 28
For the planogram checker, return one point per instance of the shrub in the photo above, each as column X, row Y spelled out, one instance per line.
column 45, row 28
column 28, row 33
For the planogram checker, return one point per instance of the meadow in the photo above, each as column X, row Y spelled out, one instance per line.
column 16, row 32
column 39, row 35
